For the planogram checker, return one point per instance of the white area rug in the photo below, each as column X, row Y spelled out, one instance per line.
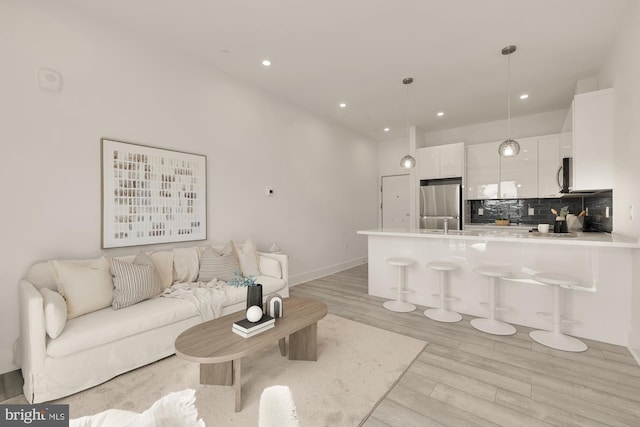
column 356, row 366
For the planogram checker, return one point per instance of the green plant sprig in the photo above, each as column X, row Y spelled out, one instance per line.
column 239, row 280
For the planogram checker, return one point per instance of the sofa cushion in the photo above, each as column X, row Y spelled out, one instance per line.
column 163, row 260
column 218, row 264
column 186, row 265
column 85, row 285
column 247, row 258
column 234, row 295
column 55, row 312
column 108, row 325
column 133, row 282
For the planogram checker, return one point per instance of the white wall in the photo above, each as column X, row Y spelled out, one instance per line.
column 622, row 71
column 125, row 88
column 521, row 127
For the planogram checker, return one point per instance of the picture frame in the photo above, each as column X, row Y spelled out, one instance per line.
column 151, row 195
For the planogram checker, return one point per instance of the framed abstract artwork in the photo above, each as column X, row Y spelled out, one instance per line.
column 151, row 195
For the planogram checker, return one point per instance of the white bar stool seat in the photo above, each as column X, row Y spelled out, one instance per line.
column 400, row 305
column 555, row 338
column 442, row 314
column 492, row 325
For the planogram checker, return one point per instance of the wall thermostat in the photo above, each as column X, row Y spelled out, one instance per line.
column 50, row 79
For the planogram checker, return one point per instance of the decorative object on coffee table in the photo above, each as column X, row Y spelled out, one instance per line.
column 254, row 296
column 254, row 290
column 254, row 313
column 502, row 221
column 247, row 328
column 273, row 306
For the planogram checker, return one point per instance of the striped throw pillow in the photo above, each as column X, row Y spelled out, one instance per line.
column 219, row 265
column 132, row 283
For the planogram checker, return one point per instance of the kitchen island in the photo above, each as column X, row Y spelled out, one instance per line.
column 602, row 261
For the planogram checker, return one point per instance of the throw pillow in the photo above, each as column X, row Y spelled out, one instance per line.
column 86, row 286
column 186, row 264
column 215, row 264
column 270, row 267
column 55, row 312
column 133, row 283
column 247, row 258
column 144, row 259
column 163, row 261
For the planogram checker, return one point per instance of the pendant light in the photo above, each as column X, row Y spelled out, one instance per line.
column 509, row 147
column 408, row 162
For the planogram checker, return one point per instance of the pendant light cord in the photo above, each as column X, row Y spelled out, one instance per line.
column 509, row 96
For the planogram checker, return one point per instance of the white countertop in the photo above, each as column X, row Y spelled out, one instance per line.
column 508, row 234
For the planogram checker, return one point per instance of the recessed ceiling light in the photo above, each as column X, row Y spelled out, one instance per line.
column 266, row 63
column 524, row 96
column 387, row 129
column 440, row 113
column 342, row 105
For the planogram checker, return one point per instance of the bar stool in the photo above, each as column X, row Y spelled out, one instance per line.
column 555, row 338
column 442, row 314
column 493, row 325
column 399, row 304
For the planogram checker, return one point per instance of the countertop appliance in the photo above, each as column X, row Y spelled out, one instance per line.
column 440, row 201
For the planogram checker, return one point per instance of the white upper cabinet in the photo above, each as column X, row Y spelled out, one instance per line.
column 549, row 163
column 593, row 140
column 428, row 162
column 519, row 174
column 483, row 171
column 442, row 161
column 531, row 174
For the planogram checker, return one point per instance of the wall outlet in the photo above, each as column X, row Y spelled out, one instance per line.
column 630, row 212
column 480, row 212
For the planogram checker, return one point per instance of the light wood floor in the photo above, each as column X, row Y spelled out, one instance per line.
column 465, row 377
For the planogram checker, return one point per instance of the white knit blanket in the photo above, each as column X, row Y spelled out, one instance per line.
column 207, row 297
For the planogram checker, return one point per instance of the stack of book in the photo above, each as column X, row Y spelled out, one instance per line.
column 247, row 329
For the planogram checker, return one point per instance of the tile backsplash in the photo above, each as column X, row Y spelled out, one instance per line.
column 538, row 211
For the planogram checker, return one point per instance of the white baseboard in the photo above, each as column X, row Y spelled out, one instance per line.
column 325, row 271
column 635, row 353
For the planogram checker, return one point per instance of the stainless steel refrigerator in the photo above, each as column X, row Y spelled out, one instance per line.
column 441, row 199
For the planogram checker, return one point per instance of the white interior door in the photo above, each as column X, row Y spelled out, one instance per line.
column 395, row 201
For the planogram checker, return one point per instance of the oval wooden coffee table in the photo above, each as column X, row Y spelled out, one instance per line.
column 219, row 351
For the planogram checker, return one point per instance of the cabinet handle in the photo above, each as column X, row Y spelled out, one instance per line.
column 558, row 178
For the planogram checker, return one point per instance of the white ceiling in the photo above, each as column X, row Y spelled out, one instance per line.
column 358, row 51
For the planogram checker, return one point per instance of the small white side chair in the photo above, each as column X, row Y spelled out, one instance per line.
column 400, row 305
column 492, row 325
column 555, row 338
column 442, row 314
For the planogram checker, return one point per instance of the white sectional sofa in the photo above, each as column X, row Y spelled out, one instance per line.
column 91, row 348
